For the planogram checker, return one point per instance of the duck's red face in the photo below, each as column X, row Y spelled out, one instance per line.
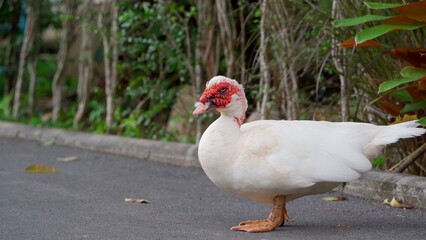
column 219, row 95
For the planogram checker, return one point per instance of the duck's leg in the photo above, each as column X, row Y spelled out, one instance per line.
column 275, row 219
column 285, row 216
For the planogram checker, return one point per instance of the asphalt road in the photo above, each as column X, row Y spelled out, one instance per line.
column 85, row 200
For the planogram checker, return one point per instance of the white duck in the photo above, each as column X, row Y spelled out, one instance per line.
column 278, row 161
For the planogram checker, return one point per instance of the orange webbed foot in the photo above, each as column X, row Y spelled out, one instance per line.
column 275, row 219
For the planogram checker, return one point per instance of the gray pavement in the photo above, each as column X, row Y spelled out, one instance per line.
column 85, row 200
column 373, row 185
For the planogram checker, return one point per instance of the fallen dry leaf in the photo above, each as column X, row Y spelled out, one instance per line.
column 40, row 169
column 394, row 203
column 67, row 159
column 334, row 209
column 47, row 143
column 342, row 225
column 350, row 43
column 405, row 118
column 136, row 200
column 334, row 198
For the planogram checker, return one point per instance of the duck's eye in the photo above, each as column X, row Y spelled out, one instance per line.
column 223, row 91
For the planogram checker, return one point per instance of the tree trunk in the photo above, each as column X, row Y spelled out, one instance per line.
column 11, row 52
column 204, row 49
column 285, row 91
column 199, row 46
column 114, row 62
column 337, row 56
column 32, row 63
column 29, row 35
column 242, row 61
column 287, row 55
column 289, row 92
column 264, row 69
column 227, row 33
column 57, row 81
column 293, row 104
column 110, row 59
column 204, row 62
column 85, row 66
column 33, row 59
column 104, row 22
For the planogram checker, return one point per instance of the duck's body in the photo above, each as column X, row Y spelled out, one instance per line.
column 278, row 161
column 294, row 158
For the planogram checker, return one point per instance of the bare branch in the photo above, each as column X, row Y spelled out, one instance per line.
column 61, row 58
column 407, row 161
column 85, row 66
column 227, row 33
column 264, row 69
column 29, row 34
column 339, row 65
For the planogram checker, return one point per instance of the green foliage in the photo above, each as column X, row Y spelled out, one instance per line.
column 358, row 20
column 409, row 74
column 47, row 17
column 153, row 38
column 147, row 98
column 408, row 88
column 375, row 5
column 379, row 161
column 46, row 68
column 151, row 71
column 414, row 107
column 96, row 111
column 403, row 97
column 422, row 121
column 5, row 109
column 377, row 31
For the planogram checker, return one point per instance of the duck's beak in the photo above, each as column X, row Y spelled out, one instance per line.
column 201, row 108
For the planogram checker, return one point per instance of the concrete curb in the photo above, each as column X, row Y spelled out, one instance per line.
column 378, row 186
column 373, row 185
column 167, row 152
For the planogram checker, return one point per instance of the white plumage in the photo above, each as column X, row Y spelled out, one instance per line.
column 264, row 159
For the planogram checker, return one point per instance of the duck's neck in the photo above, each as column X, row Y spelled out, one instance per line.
column 228, row 125
column 217, row 149
column 222, row 134
column 239, row 119
column 237, row 111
